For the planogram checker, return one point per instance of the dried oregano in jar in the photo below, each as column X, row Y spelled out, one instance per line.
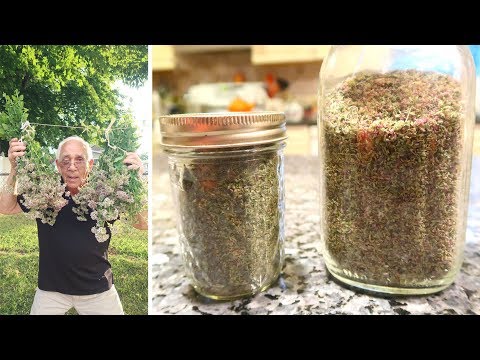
column 395, row 169
column 227, row 182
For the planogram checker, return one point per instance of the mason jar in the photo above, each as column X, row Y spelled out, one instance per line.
column 395, row 148
column 226, row 172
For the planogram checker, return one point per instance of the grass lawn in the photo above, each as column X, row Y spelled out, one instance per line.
column 128, row 255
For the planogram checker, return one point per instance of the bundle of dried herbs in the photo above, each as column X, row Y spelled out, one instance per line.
column 392, row 143
column 37, row 180
column 231, row 220
column 113, row 191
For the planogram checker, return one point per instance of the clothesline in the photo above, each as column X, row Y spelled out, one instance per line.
column 73, row 127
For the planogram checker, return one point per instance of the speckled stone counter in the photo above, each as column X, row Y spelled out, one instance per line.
column 304, row 287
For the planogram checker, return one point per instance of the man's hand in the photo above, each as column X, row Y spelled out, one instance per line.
column 134, row 162
column 15, row 150
column 142, row 221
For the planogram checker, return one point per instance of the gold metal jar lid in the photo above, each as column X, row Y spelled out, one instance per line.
column 217, row 130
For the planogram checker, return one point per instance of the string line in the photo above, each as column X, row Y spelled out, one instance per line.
column 73, row 127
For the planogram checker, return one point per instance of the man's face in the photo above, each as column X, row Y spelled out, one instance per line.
column 73, row 165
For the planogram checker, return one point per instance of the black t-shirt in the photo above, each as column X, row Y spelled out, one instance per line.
column 71, row 260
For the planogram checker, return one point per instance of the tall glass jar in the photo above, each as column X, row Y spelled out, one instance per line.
column 395, row 144
column 226, row 172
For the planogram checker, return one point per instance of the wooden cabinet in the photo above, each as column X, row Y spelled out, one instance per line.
column 163, row 57
column 190, row 49
column 277, row 54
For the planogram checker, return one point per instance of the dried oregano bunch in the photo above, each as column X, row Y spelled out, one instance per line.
column 392, row 146
column 112, row 191
column 37, row 180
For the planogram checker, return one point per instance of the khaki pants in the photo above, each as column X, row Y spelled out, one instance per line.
column 55, row 303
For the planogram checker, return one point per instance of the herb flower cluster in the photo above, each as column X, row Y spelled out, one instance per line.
column 38, row 182
column 112, row 191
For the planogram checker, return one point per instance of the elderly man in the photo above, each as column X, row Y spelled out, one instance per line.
column 74, row 270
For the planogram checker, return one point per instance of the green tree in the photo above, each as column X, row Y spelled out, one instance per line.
column 70, row 85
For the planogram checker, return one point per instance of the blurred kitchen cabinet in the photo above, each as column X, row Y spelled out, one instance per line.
column 190, row 49
column 276, row 54
column 163, row 57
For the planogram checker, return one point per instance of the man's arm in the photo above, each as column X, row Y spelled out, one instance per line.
column 8, row 199
column 142, row 221
column 133, row 162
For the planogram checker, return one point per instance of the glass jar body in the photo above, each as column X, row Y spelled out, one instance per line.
column 395, row 146
column 230, row 217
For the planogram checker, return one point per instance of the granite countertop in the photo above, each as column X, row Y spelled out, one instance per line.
column 304, row 287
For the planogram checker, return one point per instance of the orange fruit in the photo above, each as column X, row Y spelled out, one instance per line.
column 240, row 105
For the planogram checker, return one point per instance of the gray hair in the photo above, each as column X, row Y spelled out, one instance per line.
column 85, row 145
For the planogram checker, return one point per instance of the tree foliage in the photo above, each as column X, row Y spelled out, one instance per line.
column 70, row 85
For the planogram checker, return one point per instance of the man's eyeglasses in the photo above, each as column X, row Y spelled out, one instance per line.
column 78, row 162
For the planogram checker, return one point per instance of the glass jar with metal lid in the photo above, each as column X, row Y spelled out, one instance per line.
column 226, row 172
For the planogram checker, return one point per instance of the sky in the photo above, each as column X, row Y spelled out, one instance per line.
column 139, row 101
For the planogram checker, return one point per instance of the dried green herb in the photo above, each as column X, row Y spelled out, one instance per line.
column 392, row 144
column 113, row 191
column 230, row 220
column 37, row 180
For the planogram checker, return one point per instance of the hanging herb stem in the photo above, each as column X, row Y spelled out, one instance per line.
column 113, row 192
column 37, row 181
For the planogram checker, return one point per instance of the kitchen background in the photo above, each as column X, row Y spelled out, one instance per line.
column 224, row 77
column 209, row 78
column 214, row 78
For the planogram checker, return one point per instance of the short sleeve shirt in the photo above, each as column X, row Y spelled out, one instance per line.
column 71, row 260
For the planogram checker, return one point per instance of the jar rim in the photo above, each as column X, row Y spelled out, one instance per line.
column 222, row 130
